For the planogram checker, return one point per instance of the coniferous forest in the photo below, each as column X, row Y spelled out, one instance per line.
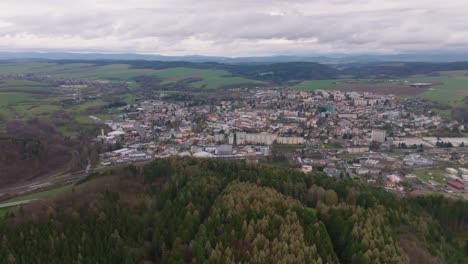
column 184, row 210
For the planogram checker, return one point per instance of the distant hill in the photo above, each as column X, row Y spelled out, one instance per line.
column 400, row 69
column 319, row 58
column 281, row 72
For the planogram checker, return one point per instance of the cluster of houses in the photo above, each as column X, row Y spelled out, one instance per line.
column 334, row 124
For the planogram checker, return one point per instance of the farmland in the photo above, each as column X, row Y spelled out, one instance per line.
column 205, row 78
column 345, row 83
column 450, row 89
column 202, row 78
column 21, row 99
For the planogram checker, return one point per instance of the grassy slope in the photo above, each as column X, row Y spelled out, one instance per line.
column 211, row 78
column 40, row 195
column 452, row 92
column 337, row 84
column 316, row 85
column 20, row 98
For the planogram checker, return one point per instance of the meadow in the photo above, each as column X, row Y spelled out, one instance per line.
column 21, row 99
column 308, row 85
column 436, row 175
column 452, row 91
column 37, row 195
column 451, row 87
column 209, row 78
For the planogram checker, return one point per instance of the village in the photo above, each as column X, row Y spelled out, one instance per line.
column 382, row 140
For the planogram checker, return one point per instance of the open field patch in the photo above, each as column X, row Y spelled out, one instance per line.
column 451, row 91
column 211, row 79
column 396, row 90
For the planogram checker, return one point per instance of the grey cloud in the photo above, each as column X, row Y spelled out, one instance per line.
column 238, row 27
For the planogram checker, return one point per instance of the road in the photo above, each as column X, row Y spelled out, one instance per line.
column 40, row 184
column 5, row 205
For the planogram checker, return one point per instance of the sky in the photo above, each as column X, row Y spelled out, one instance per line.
column 235, row 27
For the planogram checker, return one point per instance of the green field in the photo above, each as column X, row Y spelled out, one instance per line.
column 23, row 100
column 452, row 92
column 341, row 83
column 436, row 175
column 8, row 101
column 38, row 195
column 211, row 78
column 316, row 85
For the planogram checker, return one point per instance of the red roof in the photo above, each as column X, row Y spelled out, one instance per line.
column 456, row 185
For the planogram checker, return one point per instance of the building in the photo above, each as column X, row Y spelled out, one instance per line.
column 357, row 149
column 224, row 150
column 332, row 172
column 240, row 138
column 231, row 139
column 421, row 85
column 290, row 140
column 379, row 135
column 456, row 185
column 359, row 102
column 306, row 168
column 451, row 171
column 219, row 137
column 348, row 115
column 262, row 138
column 185, row 129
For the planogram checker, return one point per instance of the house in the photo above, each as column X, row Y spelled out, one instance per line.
column 332, row 172
column 224, row 150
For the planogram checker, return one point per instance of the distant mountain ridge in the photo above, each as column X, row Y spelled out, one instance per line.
column 324, row 59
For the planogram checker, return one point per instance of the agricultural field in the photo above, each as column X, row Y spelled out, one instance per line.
column 344, row 83
column 210, row 79
column 25, row 99
column 450, row 89
column 316, row 85
column 203, row 78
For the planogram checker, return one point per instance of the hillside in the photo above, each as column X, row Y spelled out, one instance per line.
column 207, row 211
column 35, row 148
column 400, row 69
column 225, row 74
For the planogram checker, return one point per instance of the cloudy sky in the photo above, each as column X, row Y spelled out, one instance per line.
column 235, row 28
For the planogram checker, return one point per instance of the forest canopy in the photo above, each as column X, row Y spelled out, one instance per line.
column 185, row 210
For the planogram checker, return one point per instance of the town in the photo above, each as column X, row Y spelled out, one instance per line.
column 382, row 140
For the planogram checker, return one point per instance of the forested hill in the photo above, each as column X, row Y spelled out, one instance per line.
column 293, row 71
column 403, row 69
column 210, row 211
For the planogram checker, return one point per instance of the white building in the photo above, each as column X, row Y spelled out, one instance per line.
column 452, row 171
column 378, row 135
